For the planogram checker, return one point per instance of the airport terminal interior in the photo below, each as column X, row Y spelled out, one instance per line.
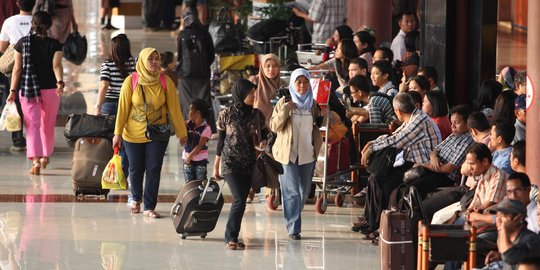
column 43, row 226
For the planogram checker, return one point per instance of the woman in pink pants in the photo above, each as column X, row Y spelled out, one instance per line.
column 38, row 69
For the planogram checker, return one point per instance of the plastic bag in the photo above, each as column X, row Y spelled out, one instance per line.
column 10, row 119
column 113, row 175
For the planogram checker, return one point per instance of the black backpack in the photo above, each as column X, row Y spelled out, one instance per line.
column 194, row 60
column 264, row 30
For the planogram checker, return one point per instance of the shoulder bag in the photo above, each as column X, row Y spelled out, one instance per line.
column 155, row 132
column 7, row 60
column 266, row 170
column 381, row 162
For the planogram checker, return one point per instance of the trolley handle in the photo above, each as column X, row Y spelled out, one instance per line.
column 207, row 185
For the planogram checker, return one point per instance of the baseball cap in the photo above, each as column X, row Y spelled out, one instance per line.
column 510, row 206
column 520, row 102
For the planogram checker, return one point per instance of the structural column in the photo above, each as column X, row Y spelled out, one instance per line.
column 376, row 14
column 533, row 87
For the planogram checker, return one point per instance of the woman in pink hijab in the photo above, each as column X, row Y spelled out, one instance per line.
column 268, row 82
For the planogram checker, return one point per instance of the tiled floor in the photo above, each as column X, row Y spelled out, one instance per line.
column 42, row 226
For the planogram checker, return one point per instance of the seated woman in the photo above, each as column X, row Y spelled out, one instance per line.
column 345, row 52
column 442, row 170
column 378, row 108
column 436, row 106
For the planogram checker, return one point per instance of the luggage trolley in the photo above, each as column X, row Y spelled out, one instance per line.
column 276, row 45
column 330, row 180
column 307, row 56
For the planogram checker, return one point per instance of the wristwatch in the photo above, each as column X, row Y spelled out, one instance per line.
column 61, row 83
column 12, row 91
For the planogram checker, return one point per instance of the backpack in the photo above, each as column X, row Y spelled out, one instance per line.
column 266, row 29
column 135, row 81
column 194, row 62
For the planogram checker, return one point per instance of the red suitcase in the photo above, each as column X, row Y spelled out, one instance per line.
column 396, row 241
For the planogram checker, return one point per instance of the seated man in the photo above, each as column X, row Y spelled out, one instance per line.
column 448, row 156
column 521, row 118
column 378, row 108
column 515, row 242
column 502, row 134
column 416, row 138
column 518, row 187
column 480, row 128
column 486, row 187
column 381, row 77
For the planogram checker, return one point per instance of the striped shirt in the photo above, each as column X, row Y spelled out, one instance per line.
column 453, row 150
column 111, row 73
column 327, row 14
column 416, row 137
column 491, row 187
column 380, row 110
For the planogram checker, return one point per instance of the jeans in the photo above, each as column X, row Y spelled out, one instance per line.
column 145, row 157
column 196, row 170
column 295, row 187
column 111, row 108
column 239, row 185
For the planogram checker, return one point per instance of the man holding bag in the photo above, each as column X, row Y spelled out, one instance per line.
column 13, row 29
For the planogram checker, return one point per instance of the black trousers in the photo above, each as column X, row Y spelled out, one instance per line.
column 430, row 182
column 440, row 200
column 378, row 193
column 152, row 13
column 239, row 185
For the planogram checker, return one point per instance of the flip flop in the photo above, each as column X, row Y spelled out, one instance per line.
column 152, row 214
column 135, row 207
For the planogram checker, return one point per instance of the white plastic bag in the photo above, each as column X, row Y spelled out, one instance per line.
column 4, row 116
column 12, row 118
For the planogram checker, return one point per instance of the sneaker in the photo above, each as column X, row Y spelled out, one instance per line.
column 295, row 236
column 17, row 148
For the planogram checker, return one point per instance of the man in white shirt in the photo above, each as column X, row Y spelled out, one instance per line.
column 407, row 23
column 14, row 28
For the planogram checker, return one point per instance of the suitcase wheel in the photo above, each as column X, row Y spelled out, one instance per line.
column 184, row 235
column 203, row 235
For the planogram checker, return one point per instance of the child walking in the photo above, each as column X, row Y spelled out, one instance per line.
column 195, row 153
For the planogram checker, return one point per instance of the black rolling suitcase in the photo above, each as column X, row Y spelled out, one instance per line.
column 90, row 156
column 197, row 208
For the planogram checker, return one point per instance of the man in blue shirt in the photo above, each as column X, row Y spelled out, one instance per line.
column 502, row 134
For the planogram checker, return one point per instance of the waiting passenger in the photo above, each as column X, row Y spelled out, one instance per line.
column 364, row 42
column 520, row 110
column 431, row 74
column 489, row 91
column 504, row 107
column 381, row 77
column 378, row 109
column 407, row 23
column 501, row 136
column 446, row 159
column 436, row 106
column 520, row 81
column 419, row 84
column 268, row 82
column 417, row 138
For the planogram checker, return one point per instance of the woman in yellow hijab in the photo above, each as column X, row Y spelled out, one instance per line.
column 143, row 100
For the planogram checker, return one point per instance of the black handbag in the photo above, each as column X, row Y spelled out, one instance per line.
column 414, row 173
column 159, row 133
column 86, row 125
column 75, row 48
column 266, row 170
column 224, row 33
column 381, row 162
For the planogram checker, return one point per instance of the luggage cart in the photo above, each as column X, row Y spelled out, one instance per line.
column 276, row 45
column 341, row 187
column 307, row 56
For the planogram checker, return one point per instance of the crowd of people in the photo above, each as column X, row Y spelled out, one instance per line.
column 475, row 152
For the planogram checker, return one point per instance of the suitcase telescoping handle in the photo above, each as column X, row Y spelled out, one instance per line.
column 212, row 179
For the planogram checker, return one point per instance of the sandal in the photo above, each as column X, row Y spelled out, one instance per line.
column 240, row 245
column 152, row 214
column 35, row 169
column 371, row 236
column 135, row 207
column 375, row 241
column 44, row 161
column 231, row 245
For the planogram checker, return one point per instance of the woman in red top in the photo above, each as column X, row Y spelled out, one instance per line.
column 436, row 106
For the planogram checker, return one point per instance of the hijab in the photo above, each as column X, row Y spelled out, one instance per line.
column 301, row 101
column 266, row 87
column 239, row 91
column 507, row 77
column 145, row 76
column 189, row 15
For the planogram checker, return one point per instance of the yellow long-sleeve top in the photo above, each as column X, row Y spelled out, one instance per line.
column 131, row 117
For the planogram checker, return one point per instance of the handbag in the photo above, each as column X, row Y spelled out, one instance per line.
column 414, row 173
column 86, row 125
column 75, row 48
column 266, row 169
column 381, row 162
column 159, row 133
column 7, row 60
column 224, row 33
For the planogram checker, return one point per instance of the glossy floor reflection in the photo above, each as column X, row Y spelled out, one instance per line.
column 42, row 226
column 98, row 236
